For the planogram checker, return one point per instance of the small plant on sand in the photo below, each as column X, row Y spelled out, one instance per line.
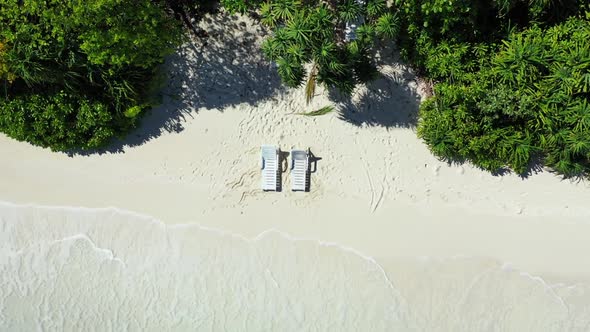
column 310, row 39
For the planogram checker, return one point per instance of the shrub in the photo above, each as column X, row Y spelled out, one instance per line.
column 531, row 102
column 313, row 34
column 73, row 70
column 60, row 121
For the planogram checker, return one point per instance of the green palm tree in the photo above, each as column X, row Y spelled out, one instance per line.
column 581, row 109
column 309, row 33
column 388, row 25
column 291, row 71
column 376, row 8
column 285, row 10
column 520, row 60
column 268, row 17
column 349, row 10
column 299, row 29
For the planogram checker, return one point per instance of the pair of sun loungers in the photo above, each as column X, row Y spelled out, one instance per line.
column 271, row 168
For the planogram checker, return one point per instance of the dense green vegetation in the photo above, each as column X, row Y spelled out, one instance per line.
column 511, row 78
column 529, row 102
column 512, row 82
column 312, row 33
column 76, row 73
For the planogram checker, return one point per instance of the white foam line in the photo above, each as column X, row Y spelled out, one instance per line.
column 285, row 235
column 547, row 287
column 221, row 232
column 507, row 267
column 292, row 238
column 77, row 209
column 289, row 237
column 106, row 252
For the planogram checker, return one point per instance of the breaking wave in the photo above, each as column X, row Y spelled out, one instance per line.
column 68, row 268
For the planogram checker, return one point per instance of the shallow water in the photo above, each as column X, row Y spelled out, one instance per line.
column 103, row 269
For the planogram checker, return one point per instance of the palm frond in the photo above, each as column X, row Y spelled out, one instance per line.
column 311, row 84
column 291, row 72
column 349, row 10
column 322, row 111
column 388, row 25
column 376, row 8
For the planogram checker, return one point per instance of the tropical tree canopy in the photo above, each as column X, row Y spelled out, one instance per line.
column 74, row 73
column 529, row 101
column 309, row 39
column 511, row 78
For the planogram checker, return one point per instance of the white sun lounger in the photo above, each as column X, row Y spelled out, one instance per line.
column 270, row 167
column 299, row 170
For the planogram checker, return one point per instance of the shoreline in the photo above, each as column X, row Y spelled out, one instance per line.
column 554, row 265
column 377, row 188
column 144, row 260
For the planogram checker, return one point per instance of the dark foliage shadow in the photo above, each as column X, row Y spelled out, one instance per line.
column 221, row 67
column 312, row 168
column 503, row 171
column 535, row 166
column 387, row 101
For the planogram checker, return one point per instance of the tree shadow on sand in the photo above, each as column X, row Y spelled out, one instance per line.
column 389, row 101
column 386, row 102
column 222, row 67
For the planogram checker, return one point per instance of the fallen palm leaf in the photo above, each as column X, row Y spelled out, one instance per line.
column 321, row 111
column 311, row 83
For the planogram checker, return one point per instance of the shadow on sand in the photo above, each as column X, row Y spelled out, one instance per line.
column 221, row 68
column 389, row 101
column 225, row 67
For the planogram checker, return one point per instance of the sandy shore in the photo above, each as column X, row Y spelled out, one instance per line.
column 377, row 188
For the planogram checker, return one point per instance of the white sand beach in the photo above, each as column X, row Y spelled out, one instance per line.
column 388, row 236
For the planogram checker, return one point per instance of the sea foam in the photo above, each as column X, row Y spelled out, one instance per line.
column 77, row 269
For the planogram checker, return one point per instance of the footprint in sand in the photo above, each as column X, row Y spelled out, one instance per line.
column 436, row 170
